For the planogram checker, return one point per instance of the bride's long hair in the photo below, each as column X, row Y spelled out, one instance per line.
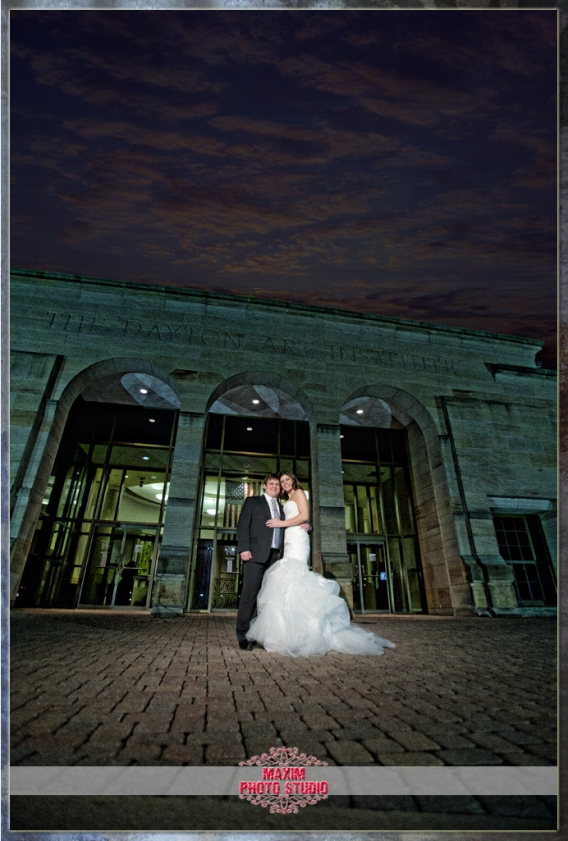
column 295, row 483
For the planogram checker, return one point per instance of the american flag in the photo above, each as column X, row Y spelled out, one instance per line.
column 235, row 495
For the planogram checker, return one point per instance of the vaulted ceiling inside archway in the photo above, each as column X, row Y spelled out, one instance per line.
column 132, row 389
column 367, row 411
column 260, row 401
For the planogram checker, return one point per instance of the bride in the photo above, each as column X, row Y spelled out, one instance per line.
column 299, row 612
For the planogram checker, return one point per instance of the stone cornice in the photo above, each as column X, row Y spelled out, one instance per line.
column 346, row 316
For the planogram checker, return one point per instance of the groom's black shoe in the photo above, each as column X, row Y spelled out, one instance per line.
column 246, row 645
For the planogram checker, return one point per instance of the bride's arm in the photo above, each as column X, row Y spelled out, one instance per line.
column 301, row 517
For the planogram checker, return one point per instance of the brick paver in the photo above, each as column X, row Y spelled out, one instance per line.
column 94, row 688
column 100, row 688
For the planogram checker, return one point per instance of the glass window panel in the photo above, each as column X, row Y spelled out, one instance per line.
column 302, row 439
column 363, row 511
column 398, row 443
column 410, row 555
column 141, row 496
column 142, row 458
column 397, row 575
column 103, row 564
column 94, row 420
column 251, row 435
column 513, row 538
column 214, row 432
column 352, row 550
column 387, row 489
column 376, row 526
column 145, row 426
column 99, row 454
column 526, row 552
column 249, row 465
column 286, row 438
column 70, row 497
column 111, row 495
column 59, row 539
column 288, row 464
column 232, row 497
column 404, row 501
column 64, row 497
column 360, row 473
column 47, row 494
column 384, row 442
column 302, row 471
column 368, row 564
column 209, row 504
column 212, row 461
column 94, row 489
column 350, row 508
column 358, row 443
column 226, row 575
column 202, row 577
column 80, row 555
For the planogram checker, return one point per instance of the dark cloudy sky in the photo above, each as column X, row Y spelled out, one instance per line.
column 395, row 162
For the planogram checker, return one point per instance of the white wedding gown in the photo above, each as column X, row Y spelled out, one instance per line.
column 301, row 613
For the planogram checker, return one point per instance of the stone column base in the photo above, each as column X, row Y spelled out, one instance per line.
column 162, row 611
column 168, row 597
column 346, row 590
column 478, row 595
column 499, row 583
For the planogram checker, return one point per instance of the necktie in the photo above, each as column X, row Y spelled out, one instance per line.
column 276, row 515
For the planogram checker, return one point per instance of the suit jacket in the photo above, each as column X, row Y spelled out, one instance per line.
column 252, row 532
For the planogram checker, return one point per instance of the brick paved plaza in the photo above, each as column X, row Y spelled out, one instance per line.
column 95, row 688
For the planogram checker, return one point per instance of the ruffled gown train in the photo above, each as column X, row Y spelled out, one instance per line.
column 300, row 613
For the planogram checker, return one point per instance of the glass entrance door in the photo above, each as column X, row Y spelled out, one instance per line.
column 371, row 584
column 120, row 567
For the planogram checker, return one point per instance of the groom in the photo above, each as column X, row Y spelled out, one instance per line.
column 259, row 547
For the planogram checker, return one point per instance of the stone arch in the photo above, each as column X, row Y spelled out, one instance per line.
column 42, row 458
column 445, row 579
column 109, row 368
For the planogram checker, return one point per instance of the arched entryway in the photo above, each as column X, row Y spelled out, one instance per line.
column 102, row 488
column 401, row 541
column 257, row 423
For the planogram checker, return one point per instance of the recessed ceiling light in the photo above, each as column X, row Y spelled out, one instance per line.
column 256, row 402
column 342, row 436
column 249, row 428
column 152, row 420
column 359, row 411
column 143, row 391
column 211, row 511
column 145, row 458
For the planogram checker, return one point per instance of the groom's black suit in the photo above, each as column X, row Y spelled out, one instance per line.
column 255, row 536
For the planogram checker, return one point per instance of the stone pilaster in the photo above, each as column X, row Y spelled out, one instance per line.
column 30, row 495
column 497, row 572
column 172, row 575
column 330, row 545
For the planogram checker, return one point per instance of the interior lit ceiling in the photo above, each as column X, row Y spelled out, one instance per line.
column 260, row 401
column 132, row 389
column 366, row 411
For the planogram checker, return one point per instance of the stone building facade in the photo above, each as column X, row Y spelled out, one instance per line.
column 142, row 417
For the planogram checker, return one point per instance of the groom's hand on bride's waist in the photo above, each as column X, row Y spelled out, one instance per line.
column 307, row 527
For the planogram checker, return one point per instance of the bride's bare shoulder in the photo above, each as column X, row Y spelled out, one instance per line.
column 300, row 498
